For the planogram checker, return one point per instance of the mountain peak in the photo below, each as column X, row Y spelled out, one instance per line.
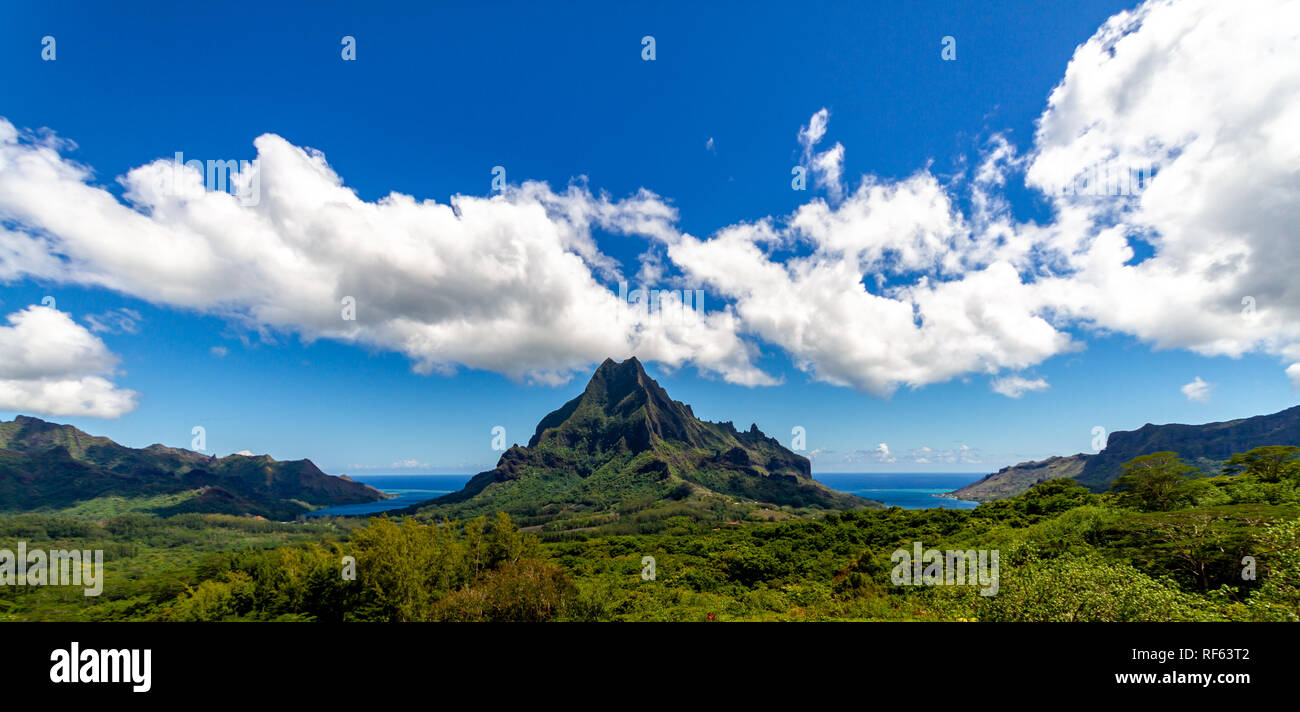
column 609, row 368
column 621, row 393
column 25, row 432
column 27, row 422
column 624, row 440
column 622, row 376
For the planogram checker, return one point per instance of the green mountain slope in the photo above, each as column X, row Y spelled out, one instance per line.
column 1203, row 446
column 624, row 444
column 1017, row 479
column 47, row 466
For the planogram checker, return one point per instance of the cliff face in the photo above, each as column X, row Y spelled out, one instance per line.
column 1011, row 481
column 625, row 439
column 51, row 466
column 1203, row 446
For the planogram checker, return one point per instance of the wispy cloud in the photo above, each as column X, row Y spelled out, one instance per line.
column 404, row 464
column 1016, row 386
column 1197, row 391
column 123, row 320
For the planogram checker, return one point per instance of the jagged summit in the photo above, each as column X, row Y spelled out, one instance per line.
column 626, row 393
column 624, row 438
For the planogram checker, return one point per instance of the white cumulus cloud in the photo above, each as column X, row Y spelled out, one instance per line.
column 510, row 283
column 883, row 454
column 50, row 365
column 891, row 284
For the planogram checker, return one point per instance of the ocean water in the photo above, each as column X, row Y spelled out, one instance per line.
column 410, row 489
column 902, row 489
column 906, row 490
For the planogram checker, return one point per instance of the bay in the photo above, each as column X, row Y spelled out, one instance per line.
column 410, row 489
column 909, row 490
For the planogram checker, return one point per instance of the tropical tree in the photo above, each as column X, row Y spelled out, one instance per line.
column 1157, row 482
column 1270, row 463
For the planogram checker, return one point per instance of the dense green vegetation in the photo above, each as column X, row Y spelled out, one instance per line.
column 1162, row 546
column 149, row 561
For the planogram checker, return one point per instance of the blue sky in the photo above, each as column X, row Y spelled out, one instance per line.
column 439, row 95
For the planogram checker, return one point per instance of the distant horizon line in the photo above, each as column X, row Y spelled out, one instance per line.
column 461, row 474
